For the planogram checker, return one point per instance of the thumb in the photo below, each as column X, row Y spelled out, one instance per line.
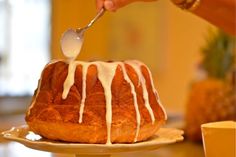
column 110, row 5
column 113, row 5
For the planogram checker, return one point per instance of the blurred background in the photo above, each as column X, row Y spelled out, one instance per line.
column 161, row 35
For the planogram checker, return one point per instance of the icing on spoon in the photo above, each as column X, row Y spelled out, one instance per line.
column 72, row 41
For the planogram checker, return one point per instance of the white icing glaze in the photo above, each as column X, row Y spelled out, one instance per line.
column 106, row 73
column 69, row 81
column 156, row 94
column 138, row 118
column 84, row 74
column 136, row 65
column 71, row 44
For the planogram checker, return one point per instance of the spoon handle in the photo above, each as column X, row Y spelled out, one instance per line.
column 100, row 13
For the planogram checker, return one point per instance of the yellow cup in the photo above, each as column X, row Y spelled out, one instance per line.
column 219, row 139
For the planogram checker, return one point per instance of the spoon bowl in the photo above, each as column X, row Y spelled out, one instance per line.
column 72, row 40
column 71, row 43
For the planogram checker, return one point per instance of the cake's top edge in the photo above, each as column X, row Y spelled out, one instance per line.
column 136, row 64
column 97, row 61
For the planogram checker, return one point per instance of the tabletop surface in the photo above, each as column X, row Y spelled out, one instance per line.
column 13, row 149
column 183, row 149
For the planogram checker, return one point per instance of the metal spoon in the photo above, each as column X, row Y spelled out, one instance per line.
column 72, row 40
column 81, row 31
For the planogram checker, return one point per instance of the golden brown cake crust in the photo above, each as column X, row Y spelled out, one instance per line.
column 57, row 119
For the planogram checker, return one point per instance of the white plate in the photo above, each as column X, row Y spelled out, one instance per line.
column 22, row 135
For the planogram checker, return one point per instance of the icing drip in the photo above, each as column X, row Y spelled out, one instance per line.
column 157, row 96
column 71, row 44
column 106, row 72
column 84, row 74
column 106, row 75
column 136, row 65
column 138, row 119
column 69, row 79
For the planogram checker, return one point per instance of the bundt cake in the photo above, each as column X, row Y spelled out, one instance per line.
column 96, row 102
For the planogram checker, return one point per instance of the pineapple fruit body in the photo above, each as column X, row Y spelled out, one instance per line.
column 210, row 100
column 214, row 97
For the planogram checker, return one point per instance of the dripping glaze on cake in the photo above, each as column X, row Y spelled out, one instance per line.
column 106, row 73
column 37, row 116
column 137, row 66
column 138, row 118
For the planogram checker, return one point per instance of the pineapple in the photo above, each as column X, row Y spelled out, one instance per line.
column 214, row 97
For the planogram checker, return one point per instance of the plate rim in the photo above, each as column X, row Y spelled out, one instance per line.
column 109, row 149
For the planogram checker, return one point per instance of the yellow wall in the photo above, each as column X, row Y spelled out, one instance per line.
column 178, row 36
column 185, row 35
column 73, row 14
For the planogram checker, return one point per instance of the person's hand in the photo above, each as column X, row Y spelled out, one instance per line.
column 113, row 5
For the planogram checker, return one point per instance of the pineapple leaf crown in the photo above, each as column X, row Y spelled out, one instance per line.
column 218, row 54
